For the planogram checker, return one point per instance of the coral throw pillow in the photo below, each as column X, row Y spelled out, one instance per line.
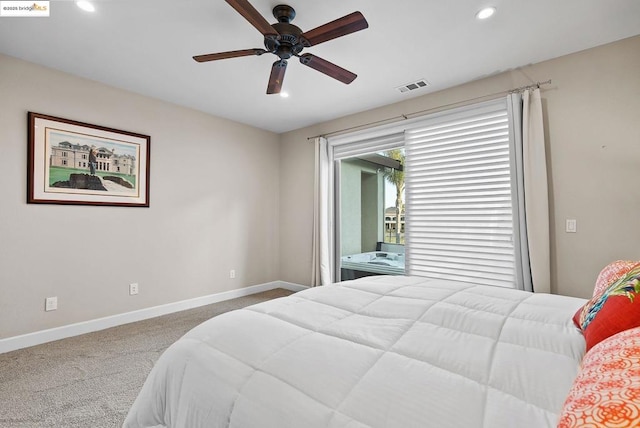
column 606, row 392
column 612, row 272
column 614, row 310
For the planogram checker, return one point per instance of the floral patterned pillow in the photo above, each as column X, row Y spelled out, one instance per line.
column 613, row 310
column 612, row 272
column 606, row 392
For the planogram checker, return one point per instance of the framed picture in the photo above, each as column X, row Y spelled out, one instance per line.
column 76, row 163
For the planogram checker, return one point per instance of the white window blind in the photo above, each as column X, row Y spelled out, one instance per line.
column 459, row 198
column 367, row 145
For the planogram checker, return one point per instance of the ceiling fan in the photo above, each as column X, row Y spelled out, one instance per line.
column 285, row 40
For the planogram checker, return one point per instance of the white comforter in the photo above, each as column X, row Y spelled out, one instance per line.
column 383, row 351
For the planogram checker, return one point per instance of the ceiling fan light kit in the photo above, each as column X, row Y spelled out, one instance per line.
column 285, row 40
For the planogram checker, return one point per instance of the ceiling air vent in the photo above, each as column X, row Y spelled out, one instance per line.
column 422, row 83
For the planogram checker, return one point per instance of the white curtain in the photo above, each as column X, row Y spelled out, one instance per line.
column 536, row 194
column 532, row 190
column 320, row 254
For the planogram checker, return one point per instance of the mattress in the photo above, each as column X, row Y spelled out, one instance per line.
column 379, row 351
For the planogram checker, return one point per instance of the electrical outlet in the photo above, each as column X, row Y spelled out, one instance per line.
column 51, row 304
column 571, row 226
column 232, row 273
column 133, row 288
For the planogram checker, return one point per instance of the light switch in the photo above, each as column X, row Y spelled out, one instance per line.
column 571, row 226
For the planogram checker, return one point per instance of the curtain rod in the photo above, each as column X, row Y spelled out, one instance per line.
column 527, row 87
column 423, row 112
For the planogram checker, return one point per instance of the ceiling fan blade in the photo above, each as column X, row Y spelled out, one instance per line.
column 328, row 68
column 244, row 8
column 229, row 54
column 277, row 76
column 340, row 27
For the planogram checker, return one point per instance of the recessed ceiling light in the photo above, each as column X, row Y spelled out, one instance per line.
column 284, row 94
column 85, row 5
column 486, row 13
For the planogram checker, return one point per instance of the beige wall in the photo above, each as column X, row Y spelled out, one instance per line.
column 592, row 112
column 212, row 210
column 249, row 206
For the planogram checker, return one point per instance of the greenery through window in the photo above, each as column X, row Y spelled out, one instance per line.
column 394, row 215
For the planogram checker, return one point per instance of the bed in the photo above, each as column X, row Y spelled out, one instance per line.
column 381, row 351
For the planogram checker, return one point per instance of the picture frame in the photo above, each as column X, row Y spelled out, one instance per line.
column 76, row 163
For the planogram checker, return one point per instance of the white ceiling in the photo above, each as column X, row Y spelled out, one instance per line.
column 146, row 46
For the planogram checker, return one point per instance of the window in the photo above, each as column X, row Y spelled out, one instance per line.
column 457, row 219
column 369, row 243
column 366, row 244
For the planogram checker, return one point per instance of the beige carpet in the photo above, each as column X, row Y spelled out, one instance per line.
column 90, row 381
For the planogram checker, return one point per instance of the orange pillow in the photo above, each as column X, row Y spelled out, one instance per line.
column 606, row 392
column 614, row 310
column 610, row 273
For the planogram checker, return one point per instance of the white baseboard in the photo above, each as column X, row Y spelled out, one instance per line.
column 44, row 336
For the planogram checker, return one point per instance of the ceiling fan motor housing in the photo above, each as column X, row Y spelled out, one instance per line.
column 290, row 41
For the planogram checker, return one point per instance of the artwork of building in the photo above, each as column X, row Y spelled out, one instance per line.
column 67, row 155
